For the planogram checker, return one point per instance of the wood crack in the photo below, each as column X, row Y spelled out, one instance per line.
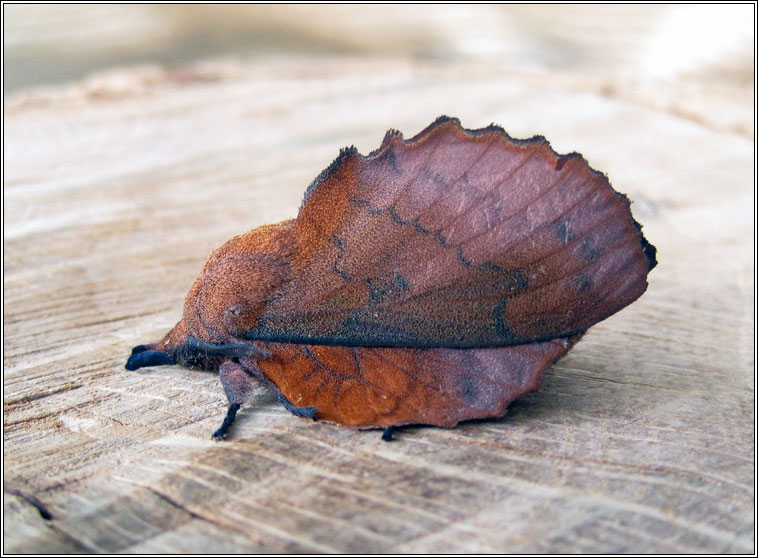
column 173, row 503
column 33, row 500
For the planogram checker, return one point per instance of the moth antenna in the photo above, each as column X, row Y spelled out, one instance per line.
column 142, row 348
column 144, row 357
column 228, row 350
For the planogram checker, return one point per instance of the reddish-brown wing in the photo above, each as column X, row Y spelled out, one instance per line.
column 377, row 387
column 457, row 238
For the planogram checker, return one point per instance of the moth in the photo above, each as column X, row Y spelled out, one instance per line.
column 429, row 282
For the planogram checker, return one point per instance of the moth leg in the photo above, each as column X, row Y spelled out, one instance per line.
column 231, row 413
column 388, row 433
column 237, row 383
column 307, row 412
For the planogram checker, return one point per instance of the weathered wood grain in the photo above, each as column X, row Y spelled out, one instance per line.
column 116, row 189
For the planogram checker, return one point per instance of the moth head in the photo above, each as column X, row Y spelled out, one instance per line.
column 224, row 302
column 230, row 295
column 235, row 284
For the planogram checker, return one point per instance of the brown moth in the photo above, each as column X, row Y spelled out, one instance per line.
column 429, row 282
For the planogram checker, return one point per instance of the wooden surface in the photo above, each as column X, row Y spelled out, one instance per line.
column 116, row 190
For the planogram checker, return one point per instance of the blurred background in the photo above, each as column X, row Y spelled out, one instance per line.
column 49, row 44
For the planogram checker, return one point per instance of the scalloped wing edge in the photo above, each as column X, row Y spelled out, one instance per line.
column 393, row 135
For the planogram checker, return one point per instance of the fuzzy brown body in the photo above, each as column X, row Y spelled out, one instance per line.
column 429, row 282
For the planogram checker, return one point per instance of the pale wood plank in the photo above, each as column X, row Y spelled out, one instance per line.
column 116, row 189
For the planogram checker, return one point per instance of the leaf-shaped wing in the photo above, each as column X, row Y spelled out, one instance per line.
column 457, row 238
column 366, row 387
